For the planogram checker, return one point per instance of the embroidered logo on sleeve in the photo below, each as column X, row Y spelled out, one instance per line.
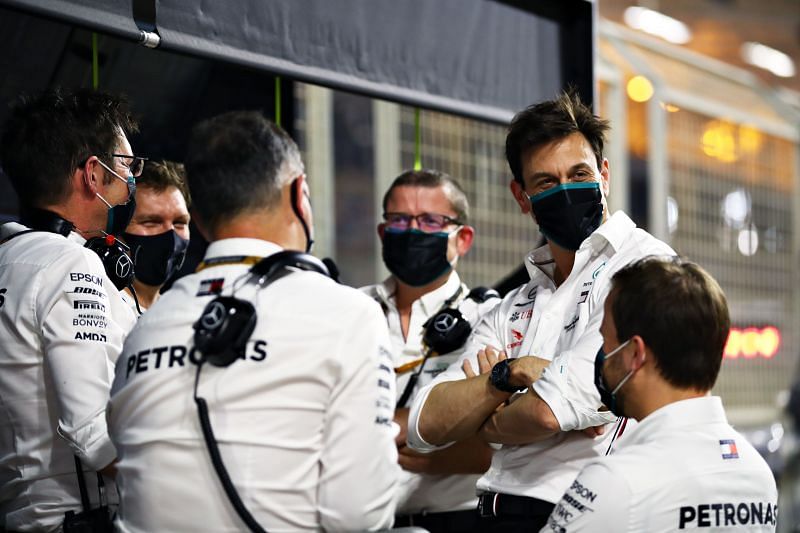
column 728, row 449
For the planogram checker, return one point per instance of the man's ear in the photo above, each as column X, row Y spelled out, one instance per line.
column 200, row 225
column 605, row 177
column 381, row 230
column 297, row 195
column 90, row 176
column 640, row 353
column 464, row 239
column 520, row 196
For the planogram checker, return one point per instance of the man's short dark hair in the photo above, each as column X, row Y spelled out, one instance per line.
column 161, row 175
column 47, row 137
column 550, row 121
column 681, row 313
column 432, row 179
column 237, row 162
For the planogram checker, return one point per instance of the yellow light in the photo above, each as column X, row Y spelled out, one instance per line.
column 640, row 89
column 719, row 141
column 670, row 108
column 750, row 341
column 749, row 138
column 734, row 344
column 770, row 342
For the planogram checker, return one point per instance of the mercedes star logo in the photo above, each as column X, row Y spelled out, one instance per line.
column 444, row 322
column 213, row 317
column 123, row 266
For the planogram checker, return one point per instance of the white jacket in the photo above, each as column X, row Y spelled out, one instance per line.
column 62, row 324
column 561, row 324
column 303, row 422
column 681, row 467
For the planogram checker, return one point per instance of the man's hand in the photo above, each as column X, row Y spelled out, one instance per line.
column 469, row 456
column 401, row 419
column 523, row 371
column 487, row 358
column 594, row 431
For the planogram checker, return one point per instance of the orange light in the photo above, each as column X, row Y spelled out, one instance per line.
column 752, row 342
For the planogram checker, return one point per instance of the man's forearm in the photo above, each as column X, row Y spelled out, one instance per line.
column 528, row 419
column 455, row 410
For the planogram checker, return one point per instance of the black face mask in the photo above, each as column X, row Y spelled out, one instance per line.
column 607, row 395
column 119, row 217
column 157, row 257
column 414, row 257
column 567, row 214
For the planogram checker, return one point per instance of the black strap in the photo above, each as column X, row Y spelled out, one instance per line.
column 216, row 461
column 412, row 381
column 82, row 485
column 15, row 235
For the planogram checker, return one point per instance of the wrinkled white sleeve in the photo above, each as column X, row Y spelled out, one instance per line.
column 80, row 340
column 597, row 500
column 567, row 384
column 484, row 334
column 359, row 457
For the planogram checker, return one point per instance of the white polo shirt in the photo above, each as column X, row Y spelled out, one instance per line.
column 62, row 323
column 425, row 492
column 682, row 467
column 303, row 422
column 561, row 324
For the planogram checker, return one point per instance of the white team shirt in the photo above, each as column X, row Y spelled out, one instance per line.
column 682, row 467
column 424, row 492
column 62, row 323
column 303, row 423
column 561, row 324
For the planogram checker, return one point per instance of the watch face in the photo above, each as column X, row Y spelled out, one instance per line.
column 500, row 376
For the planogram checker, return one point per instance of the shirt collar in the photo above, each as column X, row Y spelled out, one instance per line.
column 241, row 246
column 430, row 301
column 684, row 413
column 614, row 231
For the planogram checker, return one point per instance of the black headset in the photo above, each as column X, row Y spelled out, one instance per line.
column 113, row 254
column 444, row 332
column 221, row 334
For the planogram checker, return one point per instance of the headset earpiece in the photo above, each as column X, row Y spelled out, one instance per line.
column 222, row 331
column 116, row 261
column 446, row 331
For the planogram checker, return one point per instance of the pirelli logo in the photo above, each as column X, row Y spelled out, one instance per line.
column 88, row 304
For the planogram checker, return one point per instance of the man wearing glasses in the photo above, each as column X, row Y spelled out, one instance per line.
column 62, row 320
column 424, row 233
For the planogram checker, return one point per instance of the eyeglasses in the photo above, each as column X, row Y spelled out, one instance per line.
column 134, row 163
column 427, row 222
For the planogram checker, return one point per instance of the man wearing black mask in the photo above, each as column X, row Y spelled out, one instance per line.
column 423, row 235
column 560, row 180
column 158, row 234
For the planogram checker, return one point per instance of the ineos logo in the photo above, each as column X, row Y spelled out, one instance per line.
column 123, row 266
column 444, row 322
column 213, row 317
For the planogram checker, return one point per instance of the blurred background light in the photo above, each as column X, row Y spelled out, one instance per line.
column 763, row 56
column 640, row 89
column 658, row 24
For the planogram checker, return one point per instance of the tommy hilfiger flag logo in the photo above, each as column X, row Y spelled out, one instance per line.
column 728, row 449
